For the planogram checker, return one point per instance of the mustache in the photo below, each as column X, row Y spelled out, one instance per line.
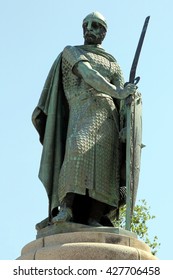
column 89, row 33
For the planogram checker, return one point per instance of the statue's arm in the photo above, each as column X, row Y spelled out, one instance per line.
column 92, row 77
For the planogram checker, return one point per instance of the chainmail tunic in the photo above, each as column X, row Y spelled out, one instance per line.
column 92, row 146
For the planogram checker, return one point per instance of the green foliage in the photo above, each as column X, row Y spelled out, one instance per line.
column 140, row 217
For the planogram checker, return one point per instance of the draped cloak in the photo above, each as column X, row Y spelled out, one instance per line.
column 50, row 119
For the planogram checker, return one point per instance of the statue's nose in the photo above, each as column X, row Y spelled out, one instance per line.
column 89, row 26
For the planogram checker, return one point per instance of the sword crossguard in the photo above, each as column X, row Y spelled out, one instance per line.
column 136, row 80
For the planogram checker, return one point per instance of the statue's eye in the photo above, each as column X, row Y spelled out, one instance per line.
column 95, row 24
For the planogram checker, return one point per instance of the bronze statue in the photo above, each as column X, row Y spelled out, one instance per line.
column 78, row 118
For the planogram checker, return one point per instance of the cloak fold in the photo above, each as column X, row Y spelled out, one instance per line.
column 50, row 119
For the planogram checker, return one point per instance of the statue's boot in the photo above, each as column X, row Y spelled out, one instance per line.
column 96, row 212
column 93, row 222
column 64, row 215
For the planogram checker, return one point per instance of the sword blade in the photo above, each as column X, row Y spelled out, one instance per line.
column 137, row 53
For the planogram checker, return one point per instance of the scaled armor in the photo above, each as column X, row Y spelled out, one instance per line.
column 91, row 159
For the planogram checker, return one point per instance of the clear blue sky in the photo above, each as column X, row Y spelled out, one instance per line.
column 32, row 35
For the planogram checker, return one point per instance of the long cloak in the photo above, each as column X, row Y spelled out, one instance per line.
column 50, row 119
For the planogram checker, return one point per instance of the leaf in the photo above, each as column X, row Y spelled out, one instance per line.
column 141, row 215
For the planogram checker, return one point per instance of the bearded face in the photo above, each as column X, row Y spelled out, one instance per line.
column 93, row 32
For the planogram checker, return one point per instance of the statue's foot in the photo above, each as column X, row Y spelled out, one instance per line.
column 94, row 223
column 65, row 215
column 43, row 224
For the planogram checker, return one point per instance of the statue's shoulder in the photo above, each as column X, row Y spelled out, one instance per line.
column 73, row 54
column 71, row 49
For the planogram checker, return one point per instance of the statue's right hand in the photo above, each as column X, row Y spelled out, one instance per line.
column 129, row 89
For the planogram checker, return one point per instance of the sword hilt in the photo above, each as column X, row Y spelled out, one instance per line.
column 136, row 81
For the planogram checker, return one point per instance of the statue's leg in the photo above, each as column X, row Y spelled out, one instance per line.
column 65, row 214
column 97, row 210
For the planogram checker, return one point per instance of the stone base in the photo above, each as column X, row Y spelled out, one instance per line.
column 64, row 227
column 95, row 244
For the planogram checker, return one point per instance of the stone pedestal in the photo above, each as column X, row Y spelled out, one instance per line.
column 85, row 243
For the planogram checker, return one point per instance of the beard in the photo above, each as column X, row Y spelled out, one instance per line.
column 92, row 39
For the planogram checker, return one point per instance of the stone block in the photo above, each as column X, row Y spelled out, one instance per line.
column 86, row 245
column 33, row 246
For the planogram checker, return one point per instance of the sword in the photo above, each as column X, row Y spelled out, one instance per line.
column 129, row 160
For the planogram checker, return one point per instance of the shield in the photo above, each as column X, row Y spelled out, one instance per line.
column 133, row 144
